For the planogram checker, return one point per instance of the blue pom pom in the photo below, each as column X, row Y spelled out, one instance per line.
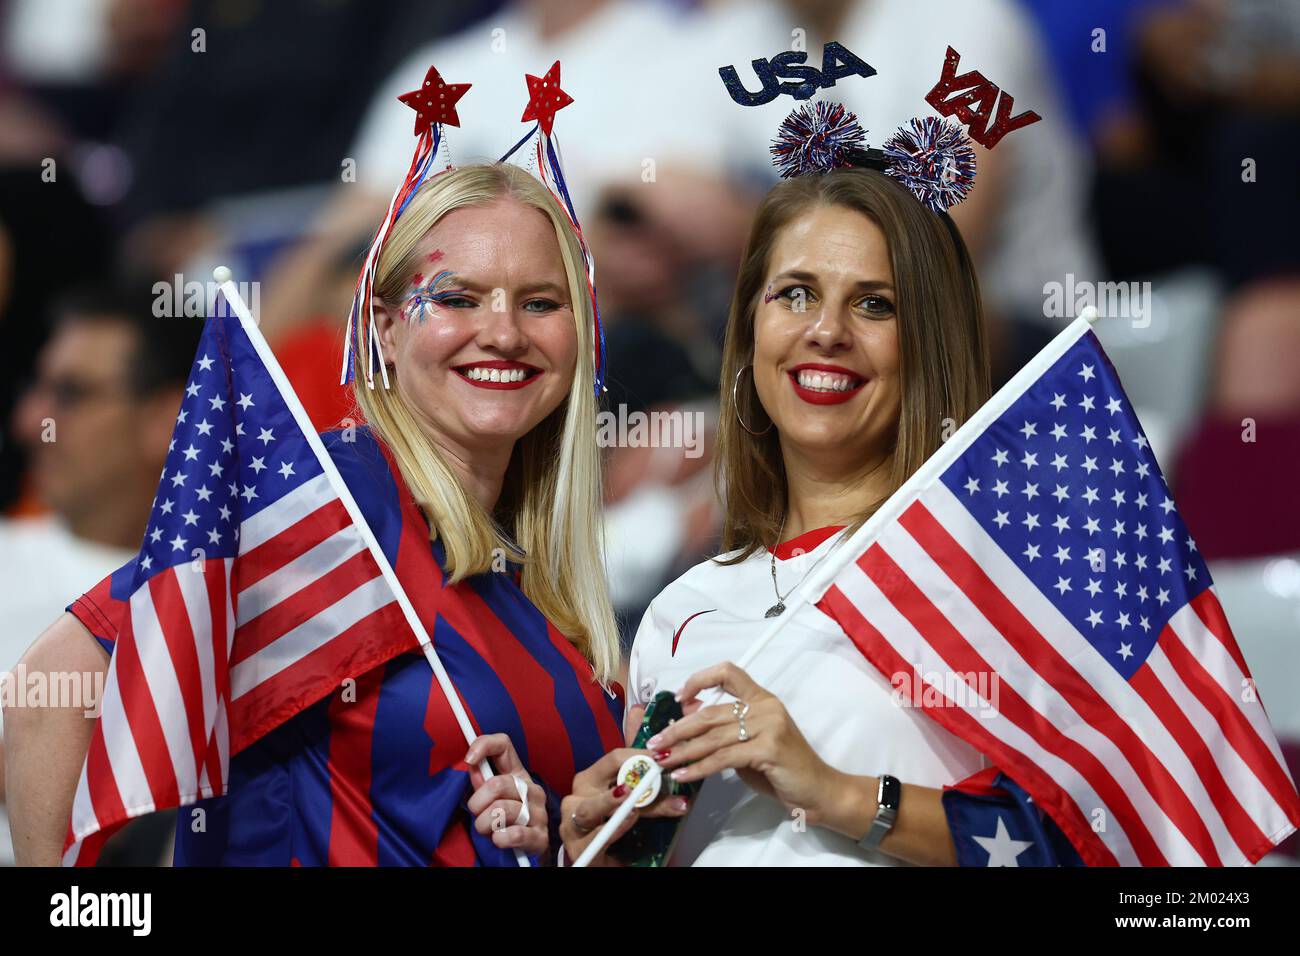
column 816, row 138
column 934, row 159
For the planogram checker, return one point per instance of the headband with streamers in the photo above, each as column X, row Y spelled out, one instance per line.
column 435, row 106
column 545, row 99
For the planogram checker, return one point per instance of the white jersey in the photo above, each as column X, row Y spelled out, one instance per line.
column 844, row 707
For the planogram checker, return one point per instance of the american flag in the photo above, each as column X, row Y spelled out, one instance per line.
column 250, row 591
column 1039, row 560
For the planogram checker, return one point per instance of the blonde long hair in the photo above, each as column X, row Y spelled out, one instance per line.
column 551, row 498
column 941, row 338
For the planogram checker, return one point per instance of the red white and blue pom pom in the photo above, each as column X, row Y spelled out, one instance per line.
column 816, row 138
column 934, row 159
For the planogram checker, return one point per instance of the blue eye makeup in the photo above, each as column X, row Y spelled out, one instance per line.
column 442, row 289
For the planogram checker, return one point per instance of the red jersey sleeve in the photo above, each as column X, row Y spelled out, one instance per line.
column 101, row 609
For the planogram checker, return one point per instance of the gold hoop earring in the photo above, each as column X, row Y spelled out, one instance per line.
column 735, row 403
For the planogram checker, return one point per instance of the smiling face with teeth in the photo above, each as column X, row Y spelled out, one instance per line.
column 483, row 345
column 826, row 346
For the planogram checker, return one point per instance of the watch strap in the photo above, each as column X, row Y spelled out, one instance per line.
column 888, row 796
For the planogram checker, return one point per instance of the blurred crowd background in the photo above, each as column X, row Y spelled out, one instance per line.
column 149, row 140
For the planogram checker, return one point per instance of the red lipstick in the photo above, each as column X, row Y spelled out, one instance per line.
column 825, row 397
column 507, row 374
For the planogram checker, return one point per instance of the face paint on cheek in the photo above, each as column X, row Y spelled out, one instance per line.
column 433, row 293
column 435, row 255
column 414, row 311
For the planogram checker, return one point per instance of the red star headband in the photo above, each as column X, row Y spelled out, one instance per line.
column 545, row 99
column 435, row 106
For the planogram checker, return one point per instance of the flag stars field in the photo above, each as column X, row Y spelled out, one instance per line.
column 1118, row 506
column 210, row 423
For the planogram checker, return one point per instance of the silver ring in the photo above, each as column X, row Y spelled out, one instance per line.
column 738, row 710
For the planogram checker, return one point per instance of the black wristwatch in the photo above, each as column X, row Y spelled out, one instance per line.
column 887, row 800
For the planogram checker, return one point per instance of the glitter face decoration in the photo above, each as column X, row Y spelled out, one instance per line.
column 431, row 294
column 769, row 295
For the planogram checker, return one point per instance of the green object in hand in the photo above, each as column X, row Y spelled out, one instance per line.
column 650, row 841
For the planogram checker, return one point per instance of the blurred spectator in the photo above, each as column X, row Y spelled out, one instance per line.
column 1218, row 86
column 1209, row 180
column 97, row 419
column 1237, row 471
column 311, row 352
column 130, row 119
column 1089, row 49
column 253, row 97
column 51, row 239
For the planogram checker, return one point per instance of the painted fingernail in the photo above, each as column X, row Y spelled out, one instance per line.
column 663, row 755
column 681, row 804
column 654, row 741
column 678, row 773
column 620, row 791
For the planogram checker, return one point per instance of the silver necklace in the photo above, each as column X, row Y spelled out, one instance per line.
column 779, row 607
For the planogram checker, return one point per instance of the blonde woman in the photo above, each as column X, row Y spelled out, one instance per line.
column 855, row 341
column 478, row 471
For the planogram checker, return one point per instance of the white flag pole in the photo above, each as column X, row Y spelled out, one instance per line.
column 613, row 823
column 819, row 579
column 223, row 277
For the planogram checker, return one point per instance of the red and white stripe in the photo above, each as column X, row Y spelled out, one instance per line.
column 1175, row 766
column 193, row 665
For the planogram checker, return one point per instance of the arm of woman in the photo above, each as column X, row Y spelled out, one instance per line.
column 777, row 759
column 919, row 835
column 45, row 747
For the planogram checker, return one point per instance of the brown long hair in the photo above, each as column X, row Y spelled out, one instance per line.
column 943, row 353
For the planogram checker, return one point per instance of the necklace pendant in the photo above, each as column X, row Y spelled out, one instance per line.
column 775, row 610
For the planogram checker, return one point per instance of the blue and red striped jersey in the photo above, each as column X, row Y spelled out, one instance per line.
column 374, row 773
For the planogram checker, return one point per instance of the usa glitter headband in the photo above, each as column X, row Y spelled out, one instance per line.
column 931, row 157
column 435, row 106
